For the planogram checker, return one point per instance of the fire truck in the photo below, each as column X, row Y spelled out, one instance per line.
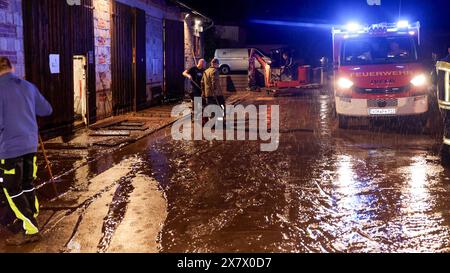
column 378, row 72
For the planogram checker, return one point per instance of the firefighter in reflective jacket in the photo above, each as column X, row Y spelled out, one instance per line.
column 20, row 102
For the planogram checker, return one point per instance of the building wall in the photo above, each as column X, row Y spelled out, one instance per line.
column 189, row 57
column 102, row 33
column 156, row 11
column 11, row 44
column 231, row 36
column 155, row 8
column 155, row 57
column 190, row 35
column 11, row 34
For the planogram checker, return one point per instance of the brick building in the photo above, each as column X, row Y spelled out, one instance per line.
column 96, row 58
column 11, row 33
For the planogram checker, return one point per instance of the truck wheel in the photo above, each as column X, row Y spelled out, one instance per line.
column 225, row 69
column 445, row 155
column 343, row 122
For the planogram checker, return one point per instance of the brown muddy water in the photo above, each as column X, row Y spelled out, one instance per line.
column 380, row 188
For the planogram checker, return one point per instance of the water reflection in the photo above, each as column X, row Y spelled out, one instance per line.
column 422, row 229
column 350, row 205
column 419, row 197
column 324, row 114
column 324, row 192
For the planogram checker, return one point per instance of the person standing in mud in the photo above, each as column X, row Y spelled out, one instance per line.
column 286, row 68
column 20, row 103
column 195, row 75
column 211, row 89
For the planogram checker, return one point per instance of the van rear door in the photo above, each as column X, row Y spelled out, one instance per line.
column 240, row 59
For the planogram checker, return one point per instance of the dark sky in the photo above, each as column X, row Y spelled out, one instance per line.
column 429, row 12
column 434, row 16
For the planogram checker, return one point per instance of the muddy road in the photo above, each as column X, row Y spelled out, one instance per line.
column 372, row 188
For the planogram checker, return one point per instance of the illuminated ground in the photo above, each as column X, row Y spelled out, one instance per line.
column 381, row 188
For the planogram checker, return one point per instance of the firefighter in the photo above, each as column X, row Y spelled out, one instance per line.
column 211, row 89
column 20, row 102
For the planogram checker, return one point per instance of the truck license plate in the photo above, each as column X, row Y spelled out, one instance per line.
column 384, row 111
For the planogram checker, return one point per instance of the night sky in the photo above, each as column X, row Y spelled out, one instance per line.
column 431, row 12
column 434, row 16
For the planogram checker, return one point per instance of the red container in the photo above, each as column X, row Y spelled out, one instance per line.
column 304, row 74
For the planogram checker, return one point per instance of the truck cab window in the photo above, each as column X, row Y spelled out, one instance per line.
column 379, row 50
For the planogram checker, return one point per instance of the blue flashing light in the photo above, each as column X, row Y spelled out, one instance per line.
column 353, row 27
column 403, row 24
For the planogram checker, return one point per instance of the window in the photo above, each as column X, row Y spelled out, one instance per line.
column 379, row 50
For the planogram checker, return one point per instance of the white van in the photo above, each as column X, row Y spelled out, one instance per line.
column 235, row 59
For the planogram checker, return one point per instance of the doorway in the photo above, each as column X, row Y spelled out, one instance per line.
column 47, row 25
column 79, row 84
column 128, row 58
column 173, row 59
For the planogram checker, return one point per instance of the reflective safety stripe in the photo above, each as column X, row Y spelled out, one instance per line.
column 35, row 168
column 36, row 204
column 28, row 226
column 15, row 196
column 10, row 172
column 2, row 161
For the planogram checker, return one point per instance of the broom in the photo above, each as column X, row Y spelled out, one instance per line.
column 49, row 168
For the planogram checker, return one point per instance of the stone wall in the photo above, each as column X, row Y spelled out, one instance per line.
column 11, row 43
column 156, row 11
column 189, row 57
column 155, row 8
column 11, row 34
column 102, row 33
column 190, row 34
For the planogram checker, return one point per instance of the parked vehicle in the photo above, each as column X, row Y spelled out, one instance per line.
column 235, row 59
column 443, row 94
column 378, row 72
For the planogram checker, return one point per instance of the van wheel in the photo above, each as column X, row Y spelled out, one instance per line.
column 225, row 69
column 343, row 122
